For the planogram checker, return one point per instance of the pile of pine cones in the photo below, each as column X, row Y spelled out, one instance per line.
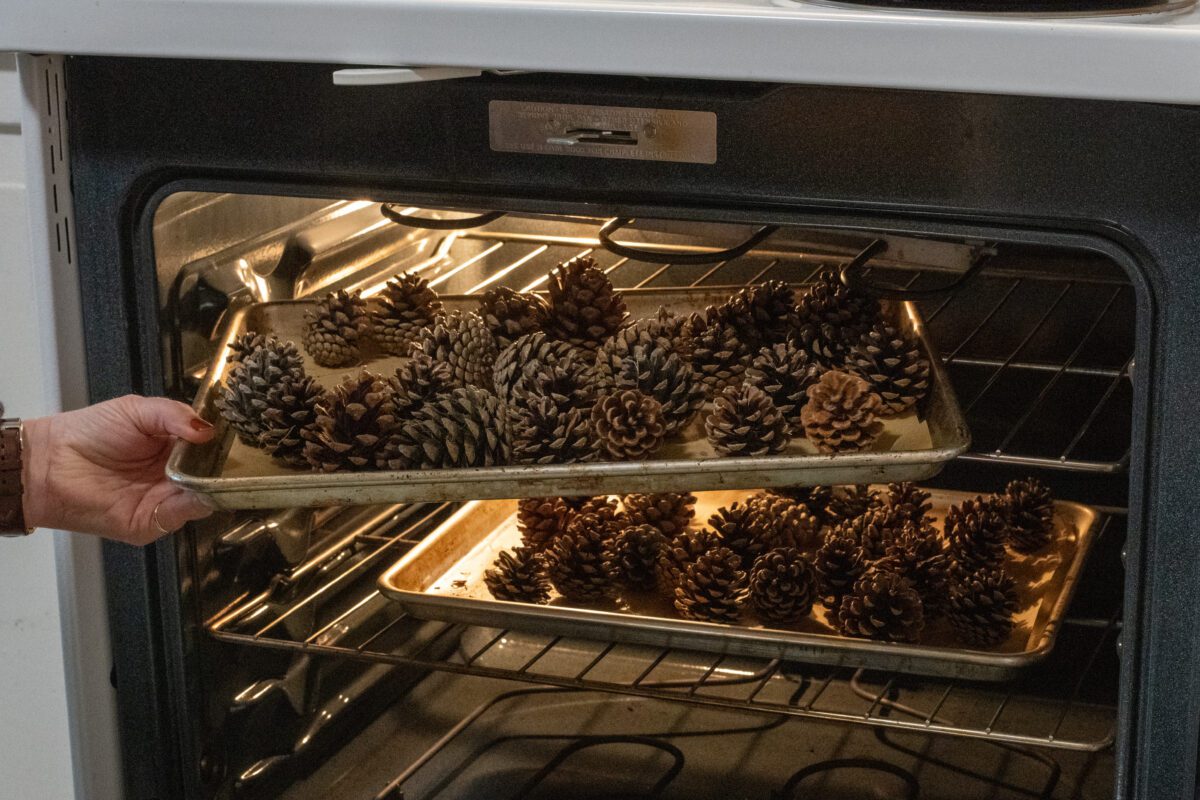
column 873, row 559
column 570, row 378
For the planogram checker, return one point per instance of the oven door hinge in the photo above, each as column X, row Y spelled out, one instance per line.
column 382, row 76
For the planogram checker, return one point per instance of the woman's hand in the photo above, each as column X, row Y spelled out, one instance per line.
column 101, row 469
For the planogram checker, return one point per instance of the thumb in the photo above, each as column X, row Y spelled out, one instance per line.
column 158, row 416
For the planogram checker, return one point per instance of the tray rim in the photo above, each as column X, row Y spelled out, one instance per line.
column 939, row 661
column 332, row 487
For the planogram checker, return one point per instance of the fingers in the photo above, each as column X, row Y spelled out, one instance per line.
column 158, row 416
column 177, row 509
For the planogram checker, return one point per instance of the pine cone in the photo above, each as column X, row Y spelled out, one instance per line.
column 719, row 357
column 585, row 309
column 509, row 315
column 632, row 556
column 1029, row 508
column 244, row 344
column 875, row 530
column 519, row 576
column 662, row 331
column 882, row 605
column 663, row 375
column 541, row 519
column 815, row 498
column 544, row 433
column 744, row 422
column 528, row 353
column 629, row 425
column 976, row 531
column 575, row 560
column 291, row 406
column 404, row 306
column 713, row 588
column 783, row 585
column 832, row 318
column 333, row 329
column 792, row 524
column 418, row 381
column 784, row 372
column 918, row 554
column 244, row 398
column 679, row 553
column 570, row 383
column 894, row 367
column 848, row 502
column 842, row 413
column 669, row 512
column 353, row 422
column 911, row 501
column 980, row 605
column 839, row 562
column 762, row 314
column 744, row 529
column 466, row 428
column 465, row 343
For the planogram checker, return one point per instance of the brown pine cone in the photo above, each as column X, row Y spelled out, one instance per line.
column 353, row 423
column 1029, row 507
column 419, row 381
column 712, row 588
column 848, row 502
column 662, row 331
column 529, row 353
column 519, row 576
column 291, row 406
column 466, row 428
column 842, row 413
column 910, row 500
column 976, row 531
column 744, row 529
column 719, row 357
column 629, row 425
column 509, row 315
column 464, row 342
column 244, row 398
column 882, row 605
column 815, row 498
column 585, row 309
column 875, row 530
column 542, row 432
column 669, row 512
column 783, row 585
column 663, row 375
column 570, row 382
column 981, row 605
column 831, row 317
column 893, row 365
column 792, row 524
column 541, row 519
column 763, row 314
column 680, row 552
column 744, row 422
column 632, row 556
column 839, row 562
column 918, row 554
column 575, row 560
column 785, row 372
column 403, row 307
column 244, row 344
column 333, row 329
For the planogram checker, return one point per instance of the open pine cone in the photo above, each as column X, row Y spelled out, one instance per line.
column 585, row 309
column 839, row 562
column 712, row 588
column 762, row 314
column 848, row 502
column 894, row 367
column 792, row 524
column 334, row 327
column 575, row 560
column 632, row 556
column 244, row 344
column 509, row 315
column 832, row 317
column 1029, row 507
column 976, row 531
column 569, row 382
column 744, row 422
column 815, row 498
column 875, row 529
column 669, row 512
column 291, row 406
column 518, row 576
column 244, row 398
column 660, row 373
column 911, row 501
column 782, row 586
column 405, row 305
column 842, row 413
column 980, row 605
column 882, row 605
column 918, row 554
column 629, row 425
column 744, row 529
column 541, row 519
column 785, row 372
column 464, row 343
column 418, row 381
column 352, row 424
column 719, row 356
column 662, row 331
column 529, row 353
column 680, row 552
column 466, row 428
column 543, row 432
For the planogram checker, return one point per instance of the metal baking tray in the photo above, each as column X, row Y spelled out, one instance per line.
column 235, row 476
column 442, row 579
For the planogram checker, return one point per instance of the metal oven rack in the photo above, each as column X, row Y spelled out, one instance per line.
column 1047, row 710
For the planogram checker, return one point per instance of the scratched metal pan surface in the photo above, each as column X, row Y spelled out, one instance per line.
column 442, row 579
column 236, row 476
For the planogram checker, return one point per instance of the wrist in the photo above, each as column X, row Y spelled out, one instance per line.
column 35, row 454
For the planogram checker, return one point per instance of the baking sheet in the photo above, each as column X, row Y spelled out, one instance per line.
column 235, row 476
column 442, row 579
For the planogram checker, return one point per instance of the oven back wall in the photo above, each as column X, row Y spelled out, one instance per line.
column 857, row 157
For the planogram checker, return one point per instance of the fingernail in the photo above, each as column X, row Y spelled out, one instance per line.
column 201, row 425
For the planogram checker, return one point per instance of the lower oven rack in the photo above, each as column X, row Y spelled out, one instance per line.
column 1066, row 717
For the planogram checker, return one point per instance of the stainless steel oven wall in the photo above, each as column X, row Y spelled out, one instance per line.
column 1117, row 178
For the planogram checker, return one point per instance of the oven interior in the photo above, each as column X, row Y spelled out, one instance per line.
column 311, row 684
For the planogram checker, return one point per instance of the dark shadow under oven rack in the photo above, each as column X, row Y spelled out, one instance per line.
column 345, row 617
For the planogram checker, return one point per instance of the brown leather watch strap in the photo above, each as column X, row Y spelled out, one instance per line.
column 12, row 507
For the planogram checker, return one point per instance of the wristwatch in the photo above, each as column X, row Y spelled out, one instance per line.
column 12, row 507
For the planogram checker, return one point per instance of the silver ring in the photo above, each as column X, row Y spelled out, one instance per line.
column 157, row 524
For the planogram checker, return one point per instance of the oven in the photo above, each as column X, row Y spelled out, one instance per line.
column 254, row 655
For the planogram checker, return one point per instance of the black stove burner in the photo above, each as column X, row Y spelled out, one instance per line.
column 889, row 783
